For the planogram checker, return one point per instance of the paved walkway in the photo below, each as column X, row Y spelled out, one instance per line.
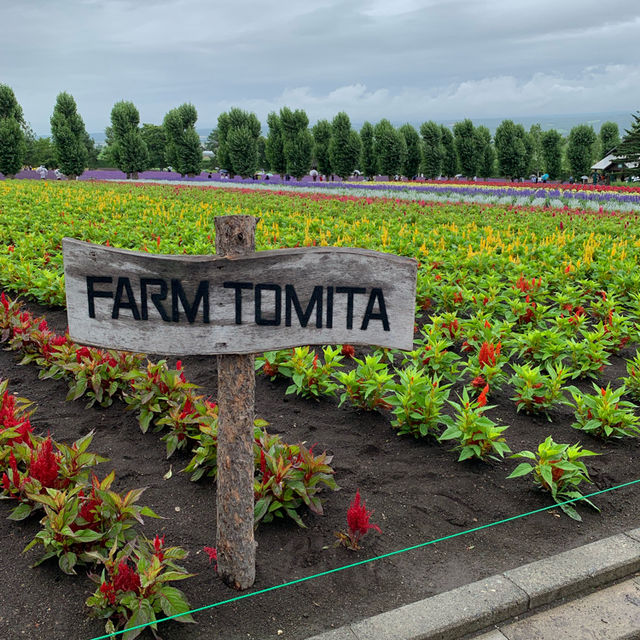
column 500, row 601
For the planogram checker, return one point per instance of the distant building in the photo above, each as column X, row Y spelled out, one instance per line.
column 613, row 167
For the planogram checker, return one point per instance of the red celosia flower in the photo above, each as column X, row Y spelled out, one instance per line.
column 358, row 519
column 44, row 467
column 107, row 589
column 126, row 579
column 158, row 543
column 348, row 351
column 482, row 398
column 212, row 552
column 263, row 463
column 478, row 382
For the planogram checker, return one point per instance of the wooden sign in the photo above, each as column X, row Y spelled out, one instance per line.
column 134, row 301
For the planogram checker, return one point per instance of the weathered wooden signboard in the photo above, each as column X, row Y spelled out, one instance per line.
column 237, row 302
column 181, row 305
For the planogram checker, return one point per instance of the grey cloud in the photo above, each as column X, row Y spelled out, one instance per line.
column 449, row 56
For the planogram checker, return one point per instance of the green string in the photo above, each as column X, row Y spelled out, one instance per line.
column 361, row 562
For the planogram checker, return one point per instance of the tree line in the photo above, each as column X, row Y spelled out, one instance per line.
column 293, row 148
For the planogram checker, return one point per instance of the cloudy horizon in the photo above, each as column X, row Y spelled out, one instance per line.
column 411, row 60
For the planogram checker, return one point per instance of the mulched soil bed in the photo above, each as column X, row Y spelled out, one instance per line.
column 416, row 488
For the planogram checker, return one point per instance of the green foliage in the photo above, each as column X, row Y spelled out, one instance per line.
column 83, row 521
column 483, row 152
column 297, row 141
column 9, row 106
column 449, row 157
column 511, row 150
column 477, row 436
column 275, row 145
column 432, row 149
column 629, row 148
column 368, row 162
column 12, row 147
column 289, row 476
column 534, row 146
column 417, row 402
column 322, row 138
column 345, row 146
column 557, row 468
column 128, row 150
column 605, row 414
column 390, row 149
column 212, row 144
column 69, row 136
column 609, row 137
column 465, row 148
column 368, row 385
column 580, row 149
column 551, row 142
column 537, row 391
column 155, row 138
column 183, row 150
column 133, row 587
column 632, row 382
column 414, row 151
column 237, row 142
column 310, row 376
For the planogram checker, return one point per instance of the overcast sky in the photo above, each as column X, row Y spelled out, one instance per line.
column 407, row 60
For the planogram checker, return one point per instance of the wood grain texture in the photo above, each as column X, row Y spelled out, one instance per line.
column 235, row 541
column 332, row 269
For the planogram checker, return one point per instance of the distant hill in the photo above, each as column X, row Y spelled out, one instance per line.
column 562, row 122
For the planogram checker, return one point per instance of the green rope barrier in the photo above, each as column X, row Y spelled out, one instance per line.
column 109, row 636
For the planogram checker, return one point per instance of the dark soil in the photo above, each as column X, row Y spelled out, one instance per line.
column 416, row 488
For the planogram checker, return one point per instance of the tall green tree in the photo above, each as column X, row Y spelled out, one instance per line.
column 511, row 150
column 261, row 147
column 629, row 148
column 432, row 149
column 580, row 149
column 13, row 147
column 345, row 146
column 297, row 141
column 92, row 151
column 536, row 158
column 155, row 138
column 238, row 133
column 609, row 137
column 449, row 157
column 465, row 148
column 322, row 139
column 275, row 145
column 551, row 142
column 368, row 160
column 211, row 144
column 414, row 150
column 483, row 151
column 390, row 149
column 127, row 148
column 69, row 136
column 42, row 153
column 183, row 151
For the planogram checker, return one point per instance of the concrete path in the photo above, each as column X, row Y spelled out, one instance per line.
column 499, row 599
column 612, row 613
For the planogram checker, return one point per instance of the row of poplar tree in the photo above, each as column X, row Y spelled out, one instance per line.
column 291, row 147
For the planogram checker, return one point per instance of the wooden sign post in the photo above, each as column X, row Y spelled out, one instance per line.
column 236, row 235
column 235, row 304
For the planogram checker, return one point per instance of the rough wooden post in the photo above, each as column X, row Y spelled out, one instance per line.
column 235, row 235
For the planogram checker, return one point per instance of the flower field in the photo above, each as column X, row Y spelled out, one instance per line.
column 524, row 367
